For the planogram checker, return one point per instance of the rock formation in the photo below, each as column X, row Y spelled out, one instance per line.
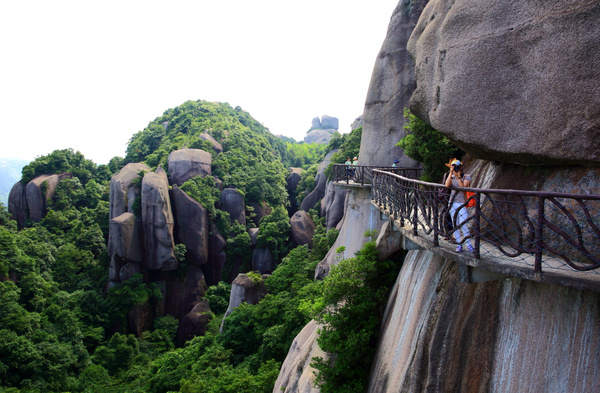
column 262, row 260
column 191, row 226
column 244, row 290
column 187, row 163
column 322, row 130
column 320, row 183
column 511, row 82
column 232, row 201
column 217, row 147
column 17, row 204
column 392, row 84
column 292, row 188
column 39, row 191
column 333, row 205
column 157, row 223
column 122, row 193
column 302, row 228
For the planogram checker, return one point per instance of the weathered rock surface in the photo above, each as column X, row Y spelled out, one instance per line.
column 140, row 318
column 292, row 188
column 186, row 163
column 183, row 292
column 232, row 201
column 392, row 84
column 39, row 191
column 217, row 147
column 330, row 122
column 120, row 184
column 302, row 228
column 157, row 223
column 360, row 217
column 125, row 238
column 262, row 260
column 253, row 232
column 17, row 204
column 129, row 270
column 318, row 192
column 191, row 226
column 194, row 323
column 479, row 337
column 261, row 210
column 333, row 205
column 322, row 136
column 511, row 82
column 244, row 290
column 216, row 256
column 296, row 374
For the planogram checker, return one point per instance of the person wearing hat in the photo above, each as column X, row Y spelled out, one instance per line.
column 354, row 164
column 395, row 164
column 458, row 211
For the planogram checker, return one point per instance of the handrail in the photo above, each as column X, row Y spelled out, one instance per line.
column 550, row 229
column 363, row 174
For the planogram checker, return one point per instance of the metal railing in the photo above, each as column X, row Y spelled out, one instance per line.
column 554, row 230
column 363, row 174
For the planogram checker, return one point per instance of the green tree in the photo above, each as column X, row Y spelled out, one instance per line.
column 428, row 146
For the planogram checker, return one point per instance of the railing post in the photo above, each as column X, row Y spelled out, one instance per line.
column 477, row 226
column 436, row 218
column 416, row 212
column 539, row 235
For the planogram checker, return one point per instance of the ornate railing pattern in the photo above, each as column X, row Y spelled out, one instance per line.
column 554, row 230
column 363, row 174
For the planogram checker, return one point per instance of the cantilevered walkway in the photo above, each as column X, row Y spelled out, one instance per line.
column 539, row 236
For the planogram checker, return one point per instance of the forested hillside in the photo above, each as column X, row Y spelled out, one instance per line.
column 64, row 328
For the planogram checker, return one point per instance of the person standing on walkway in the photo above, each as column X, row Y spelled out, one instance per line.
column 348, row 164
column 395, row 164
column 458, row 210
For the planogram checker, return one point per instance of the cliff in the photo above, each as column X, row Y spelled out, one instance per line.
column 510, row 83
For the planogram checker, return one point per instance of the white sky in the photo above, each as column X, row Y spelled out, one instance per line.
column 88, row 75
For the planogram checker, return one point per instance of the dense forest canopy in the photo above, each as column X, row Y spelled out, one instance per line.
column 61, row 329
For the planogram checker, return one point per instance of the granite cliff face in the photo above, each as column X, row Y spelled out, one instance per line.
column 511, row 81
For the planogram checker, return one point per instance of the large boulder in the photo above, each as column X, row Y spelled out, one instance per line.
column 302, row 228
column 392, row 83
column 232, row 201
column 17, row 204
column 157, row 223
column 292, row 188
column 122, row 194
column 39, row 191
column 261, row 210
column 329, row 122
column 318, row 192
column 125, row 238
column 244, row 290
column 194, row 323
column 183, row 292
column 333, row 205
column 191, row 226
column 186, row 163
column 511, row 81
column 262, row 260
column 217, row 147
column 319, row 136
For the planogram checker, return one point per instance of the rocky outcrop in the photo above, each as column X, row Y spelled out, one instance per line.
column 302, row 228
column 244, row 290
column 260, row 210
column 217, row 147
column 122, row 194
column 232, row 201
column 194, row 323
column 318, row 192
column 216, row 256
column 326, row 122
column 296, row 374
column 186, row 163
column 333, row 205
column 125, row 238
column 511, row 82
column 292, row 188
column 319, row 136
column 183, row 292
column 479, row 337
column 191, row 226
column 392, row 84
column 17, row 204
column 39, row 191
column 360, row 217
column 262, row 260
column 157, row 223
